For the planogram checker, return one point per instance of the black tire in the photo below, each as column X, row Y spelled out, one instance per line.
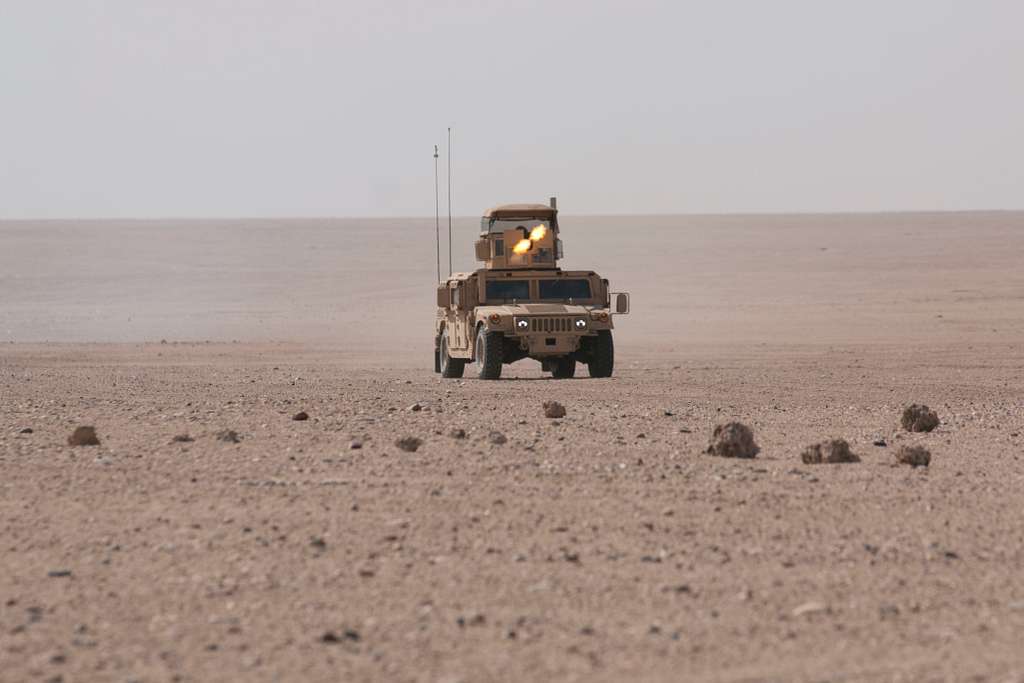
column 488, row 353
column 563, row 368
column 602, row 355
column 451, row 368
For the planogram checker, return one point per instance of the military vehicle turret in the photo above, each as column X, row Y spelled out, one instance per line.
column 522, row 305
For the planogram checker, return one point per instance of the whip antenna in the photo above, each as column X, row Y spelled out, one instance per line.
column 437, row 218
column 449, row 200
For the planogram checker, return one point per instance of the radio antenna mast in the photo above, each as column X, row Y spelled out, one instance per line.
column 449, row 200
column 437, row 218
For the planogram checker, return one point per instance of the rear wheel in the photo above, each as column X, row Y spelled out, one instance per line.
column 602, row 355
column 452, row 368
column 488, row 353
column 563, row 368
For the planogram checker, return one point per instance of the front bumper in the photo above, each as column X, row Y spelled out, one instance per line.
column 551, row 335
column 551, row 324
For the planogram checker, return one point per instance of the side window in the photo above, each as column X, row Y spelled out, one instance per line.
column 457, row 297
column 499, row 247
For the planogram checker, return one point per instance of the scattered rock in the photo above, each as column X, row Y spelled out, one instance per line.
column 228, row 436
column 26, row 430
column 669, row 413
column 355, row 444
column 409, row 443
column 888, row 611
column 318, row 543
column 300, row 416
column 830, row 451
column 880, row 443
column 553, row 409
column 809, row 608
column 84, row 436
column 919, row 418
column 182, row 438
column 733, row 440
column 349, row 634
column 915, row 456
column 58, row 573
column 416, row 407
column 458, row 433
column 497, row 438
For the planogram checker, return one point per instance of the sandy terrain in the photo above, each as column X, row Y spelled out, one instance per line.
column 600, row 547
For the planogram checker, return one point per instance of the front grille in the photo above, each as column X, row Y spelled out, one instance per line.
column 560, row 323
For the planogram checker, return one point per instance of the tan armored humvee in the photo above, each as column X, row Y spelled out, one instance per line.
column 522, row 305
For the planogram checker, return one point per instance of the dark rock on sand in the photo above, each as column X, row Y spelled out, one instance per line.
column 84, row 436
column 830, row 451
column 409, row 444
column 733, row 440
column 554, row 409
column 915, row 456
column 919, row 418
column 228, row 436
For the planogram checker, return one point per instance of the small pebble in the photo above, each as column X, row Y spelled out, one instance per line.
column 409, row 444
column 228, row 436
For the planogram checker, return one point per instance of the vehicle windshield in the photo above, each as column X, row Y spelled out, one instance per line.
column 564, row 289
column 508, row 290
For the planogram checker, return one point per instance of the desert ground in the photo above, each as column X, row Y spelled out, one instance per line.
column 602, row 546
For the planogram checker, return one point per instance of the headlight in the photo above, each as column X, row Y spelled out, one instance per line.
column 581, row 324
column 523, row 324
column 494, row 318
column 599, row 315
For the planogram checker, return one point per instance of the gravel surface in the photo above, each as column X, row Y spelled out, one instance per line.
column 600, row 546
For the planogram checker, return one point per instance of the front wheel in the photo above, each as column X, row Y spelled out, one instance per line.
column 488, row 353
column 451, row 368
column 563, row 368
column 602, row 355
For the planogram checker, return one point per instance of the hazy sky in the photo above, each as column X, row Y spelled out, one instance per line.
column 274, row 108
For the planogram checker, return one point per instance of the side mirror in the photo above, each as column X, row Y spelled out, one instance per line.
column 620, row 303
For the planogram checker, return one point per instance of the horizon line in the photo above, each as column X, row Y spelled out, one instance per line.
column 196, row 217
